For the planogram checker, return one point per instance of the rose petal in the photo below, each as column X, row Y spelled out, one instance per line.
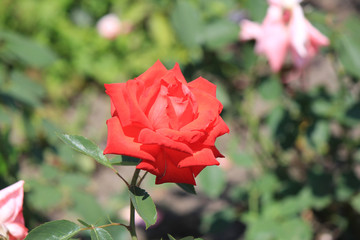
column 181, row 136
column 115, row 92
column 118, row 143
column 250, row 30
column 204, row 85
column 11, row 200
column 204, row 157
column 148, row 136
column 297, row 31
column 217, row 129
column 158, row 112
column 17, row 230
column 174, row 75
column 209, row 109
column 156, row 71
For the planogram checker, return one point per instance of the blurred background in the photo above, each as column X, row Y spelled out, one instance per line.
column 292, row 166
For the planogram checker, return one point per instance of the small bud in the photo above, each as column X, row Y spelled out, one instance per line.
column 109, row 26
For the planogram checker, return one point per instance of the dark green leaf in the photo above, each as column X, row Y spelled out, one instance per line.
column 171, row 237
column 85, row 146
column 189, row 188
column 144, row 205
column 55, row 230
column 84, row 223
column 124, row 161
column 100, row 234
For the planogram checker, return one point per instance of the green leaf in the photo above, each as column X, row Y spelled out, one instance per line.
column 171, row 237
column 355, row 203
column 33, row 94
column 212, row 181
column 124, row 161
column 44, row 197
column 144, row 205
column 27, row 51
column 86, row 206
column 220, row 33
column 349, row 53
column 318, row 135
column 185, row 238
column 100, row 234
column 84, row 223
column 55, row 230
column 187, row 23
column 271, row 88
column 189, row 188
column 257, row 9
column 85, row 146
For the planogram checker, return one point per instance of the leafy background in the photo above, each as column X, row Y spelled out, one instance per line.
column 292, row 166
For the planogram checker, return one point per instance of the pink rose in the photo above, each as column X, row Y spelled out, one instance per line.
column 284, row 29
column 109, row 26
column 11, row 217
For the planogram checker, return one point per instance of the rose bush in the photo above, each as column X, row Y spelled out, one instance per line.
column 12, row 224
column 169, row 124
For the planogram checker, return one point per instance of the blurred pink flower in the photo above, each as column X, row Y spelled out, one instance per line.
column 109, row 26
column 11, row 217
column 284, row 29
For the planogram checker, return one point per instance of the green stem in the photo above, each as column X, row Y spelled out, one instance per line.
column 132, row 208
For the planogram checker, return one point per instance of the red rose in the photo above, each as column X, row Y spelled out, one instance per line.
column 171, row 125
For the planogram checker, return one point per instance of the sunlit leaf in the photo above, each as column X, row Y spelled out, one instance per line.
column 100, row 234
column 55, row 230
column 85, row 146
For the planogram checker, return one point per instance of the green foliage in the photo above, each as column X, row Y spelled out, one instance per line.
column 189, row 188
column 56, row 230
column 144, row 205
column 100, row 234
column 86, row 147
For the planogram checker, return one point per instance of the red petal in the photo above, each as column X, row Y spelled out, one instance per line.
column 204, row 85
column 154, row 72
column 204, row 157
column 219, row 128
column 171, row 172
column 209, row 109
column 181, row 136
column 197, row 170
column 148, row 136
column 118, row 143
column 115, row 92
column 137, row 115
